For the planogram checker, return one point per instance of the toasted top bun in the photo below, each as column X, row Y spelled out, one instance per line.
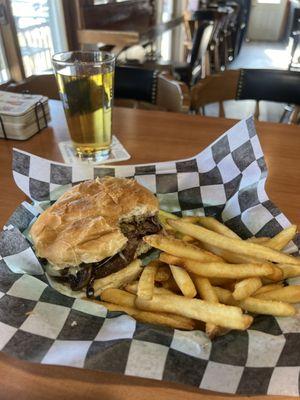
column 83, row 225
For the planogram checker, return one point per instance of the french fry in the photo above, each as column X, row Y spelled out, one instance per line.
column 118, row 296
column 183, row 281
column 220, row 281
column 179, row 248
column 218, row 314
column 146, row 282
column 276, row 275
column 259, row 240
column 205, row 289
column 256, row 306
column 171, row 320
column 267, row 288
column 216, row 226
column 133, row 287
column 191, row 219
column 185, row 238
column 163, row 273
column 219, row 270
column 279, row 241
column 269, row 307
column 163, row 216
column 231, row 257
column 246, row 288
column 118, row 279
column 289, row 294
column 238, row 246
column 171, row 285
column 206, row 292
column 289, row 271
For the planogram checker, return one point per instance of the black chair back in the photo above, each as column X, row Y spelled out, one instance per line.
column 135, row 83
column 270, row 85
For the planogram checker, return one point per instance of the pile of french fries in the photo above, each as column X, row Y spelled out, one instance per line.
column 206, row 277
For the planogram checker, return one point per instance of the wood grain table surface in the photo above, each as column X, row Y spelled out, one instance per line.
column 149, row 136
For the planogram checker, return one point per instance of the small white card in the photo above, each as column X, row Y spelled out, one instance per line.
column 117, row 153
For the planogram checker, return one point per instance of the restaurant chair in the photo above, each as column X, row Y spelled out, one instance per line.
column 295, row 35
column 134, row 87
column 248, row 84
column 44, row 84
column 197, row 65
column 220, row 42
column 150, row 89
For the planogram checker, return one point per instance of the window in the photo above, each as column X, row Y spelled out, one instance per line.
column 4, row 71
column 40, row 33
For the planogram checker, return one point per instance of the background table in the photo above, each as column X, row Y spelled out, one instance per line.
column 148, row 136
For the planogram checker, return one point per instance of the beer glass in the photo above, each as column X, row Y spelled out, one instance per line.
column 85, row 81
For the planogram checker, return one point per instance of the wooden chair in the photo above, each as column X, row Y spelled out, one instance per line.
column 37, row 84
column 134, row 87
column 248, row 84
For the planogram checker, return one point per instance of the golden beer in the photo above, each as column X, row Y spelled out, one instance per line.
column 86, row 91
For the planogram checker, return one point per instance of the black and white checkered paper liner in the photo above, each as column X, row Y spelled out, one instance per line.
column 39, row 324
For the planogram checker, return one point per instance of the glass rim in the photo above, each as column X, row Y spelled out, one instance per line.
column 110, row 57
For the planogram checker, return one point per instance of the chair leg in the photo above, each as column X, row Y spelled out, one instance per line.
column 287, row 114
column 294, row 117
column 221, row 110
column 256, row 112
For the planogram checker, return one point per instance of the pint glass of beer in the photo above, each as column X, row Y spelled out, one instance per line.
column 85, row 81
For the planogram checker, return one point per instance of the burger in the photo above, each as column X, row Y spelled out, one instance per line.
column 95, row 229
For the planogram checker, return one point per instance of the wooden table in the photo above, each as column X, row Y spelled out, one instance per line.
column 148, row 136
column 123, row 39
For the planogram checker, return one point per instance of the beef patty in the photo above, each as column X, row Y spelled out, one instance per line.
column 134, row 231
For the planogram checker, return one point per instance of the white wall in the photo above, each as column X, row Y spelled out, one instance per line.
column 267, row 19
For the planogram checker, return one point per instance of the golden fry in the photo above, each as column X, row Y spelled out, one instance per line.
column 216, row 226
column 246, row 288
column 118, row 296
column 289, row 294
column 191, row 219
column 276, row 275
column 279, row 241
column 206, row 292
column 185, row 238
column 133, row 287
column 219, row 270
column 183, row 281
column 205, row 289
column 259, row 240
column 239, row 246
column 267, row 288
column 220, row 281
column 257, row 306
column 118, row 279
column 146, row 282
column 163, row 273
column 289, row 271
column 231, row 257
column 270, row 307
column 171, row 320
column 179, row 248
column 163, row 216
column 218, row 314
column 171, row 285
